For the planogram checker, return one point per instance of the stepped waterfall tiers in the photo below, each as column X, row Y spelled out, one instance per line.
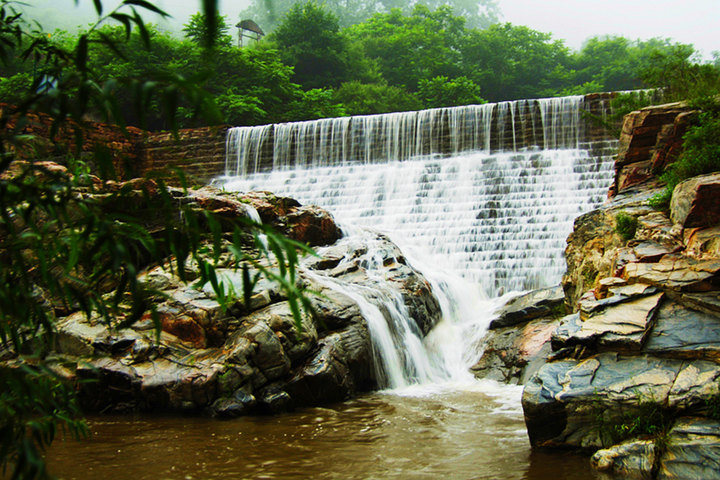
column 490, row 191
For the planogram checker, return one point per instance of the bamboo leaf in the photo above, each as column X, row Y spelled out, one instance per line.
column 98, row 7
column 147, row 6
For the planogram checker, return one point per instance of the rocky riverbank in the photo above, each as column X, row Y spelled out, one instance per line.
column 242, row 358
column 632, row 375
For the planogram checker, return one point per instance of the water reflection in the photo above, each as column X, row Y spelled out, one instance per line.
column 458, row 435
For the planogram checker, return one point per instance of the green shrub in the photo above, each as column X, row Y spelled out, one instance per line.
column 647, row 419
column 625, row 225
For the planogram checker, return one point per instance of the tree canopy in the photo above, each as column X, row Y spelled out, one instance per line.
column 316, row 62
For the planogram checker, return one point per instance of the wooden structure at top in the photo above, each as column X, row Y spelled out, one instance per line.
column 249, row 29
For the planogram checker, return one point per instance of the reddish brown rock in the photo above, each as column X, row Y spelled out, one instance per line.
column 670, row 140
column 312, row 225
column 695, row 202
column 651, row 139
column 633, row 174
column 184, row 328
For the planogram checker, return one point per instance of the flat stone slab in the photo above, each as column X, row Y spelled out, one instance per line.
column 650, row 252
column 675, row 272
column 693, row 450
column 705, row 301
column 622, row 326
column 615, row 294
column 685, row 333
column 530, row 306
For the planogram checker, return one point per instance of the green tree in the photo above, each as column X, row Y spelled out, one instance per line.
column 64, row 249
column 371, row 98
column 410, row 48
column 478, row 13
column 309, row 39
column 617, row 63
column 510, row 62
column 197, row 30
column 443, row 92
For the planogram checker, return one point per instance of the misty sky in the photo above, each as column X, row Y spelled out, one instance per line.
column 688, row 21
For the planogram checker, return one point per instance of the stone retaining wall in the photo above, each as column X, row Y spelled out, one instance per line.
column 198, row 152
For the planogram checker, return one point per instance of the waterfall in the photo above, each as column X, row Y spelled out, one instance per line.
column 552, row 123
column 486, row 192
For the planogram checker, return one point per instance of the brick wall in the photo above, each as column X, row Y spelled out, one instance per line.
column 199, row 152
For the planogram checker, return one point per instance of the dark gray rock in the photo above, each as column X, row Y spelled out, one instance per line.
column 336, row 372
column 241, row 403
column 693, row 450
column 534, row 304
column 686, row 333
column 564, row 399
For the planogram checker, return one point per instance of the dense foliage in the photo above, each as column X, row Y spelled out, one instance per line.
column 319, row 62
column 72, row 239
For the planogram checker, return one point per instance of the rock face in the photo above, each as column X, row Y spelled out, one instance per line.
column 634, row 373
column 240, row 358
column 518, row 341
column 695, row 202
column 650, row 140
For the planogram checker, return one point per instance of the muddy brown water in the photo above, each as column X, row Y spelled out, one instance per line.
column 455, row 435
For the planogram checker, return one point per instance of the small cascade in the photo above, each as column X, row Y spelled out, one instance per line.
column 403, row 358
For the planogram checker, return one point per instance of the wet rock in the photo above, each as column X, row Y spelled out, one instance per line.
column 564, row 399
column 513, row 354
column 275, row 400
column 241, row 403
column 695, row 203
column 685, row 332
column 529, row 306
column 312, row 225
column 335, row 372
column 633, row 459
column 268, row 355
column 693, row 450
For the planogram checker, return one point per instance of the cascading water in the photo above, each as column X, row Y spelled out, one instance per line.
column 488, row 192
